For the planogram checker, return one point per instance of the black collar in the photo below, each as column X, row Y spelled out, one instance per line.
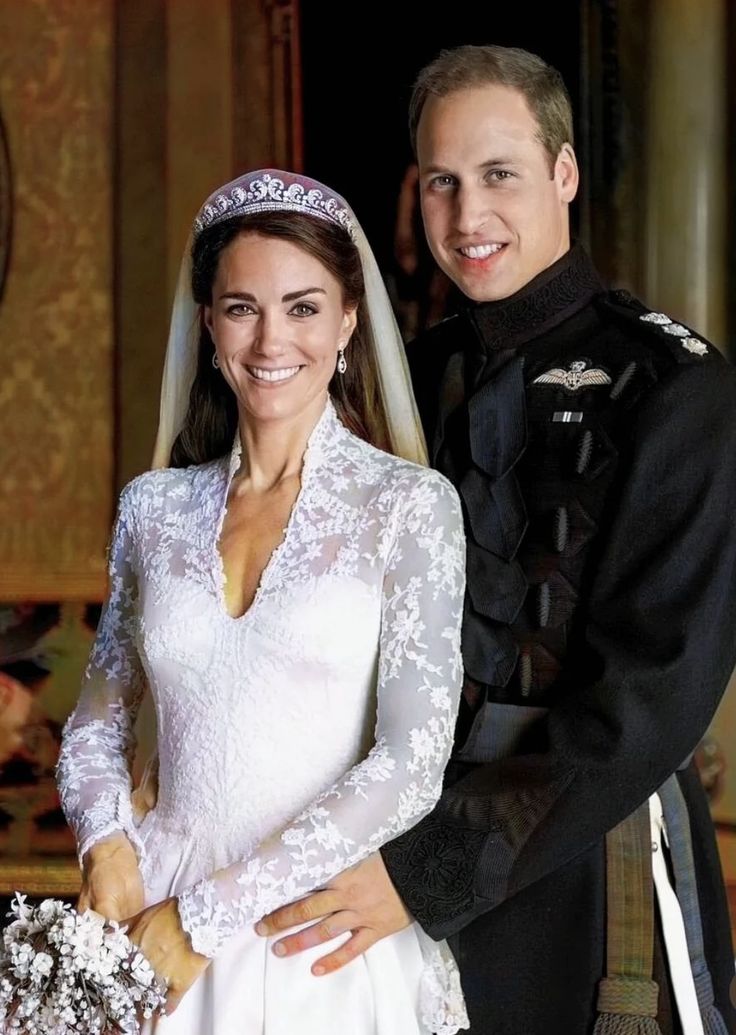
column 551, row 297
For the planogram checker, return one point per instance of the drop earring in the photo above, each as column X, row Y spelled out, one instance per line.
column 215, row 361
column 342, row 363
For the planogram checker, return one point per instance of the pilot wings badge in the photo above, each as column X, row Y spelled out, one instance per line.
column 575, row 378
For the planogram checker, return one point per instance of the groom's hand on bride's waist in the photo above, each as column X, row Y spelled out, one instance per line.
column 361, row 900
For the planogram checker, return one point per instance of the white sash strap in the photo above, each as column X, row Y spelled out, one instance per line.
column 673, row 927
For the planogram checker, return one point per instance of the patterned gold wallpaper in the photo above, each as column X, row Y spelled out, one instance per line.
column 56, row 317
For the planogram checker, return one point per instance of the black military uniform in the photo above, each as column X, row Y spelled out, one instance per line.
column 594, row 447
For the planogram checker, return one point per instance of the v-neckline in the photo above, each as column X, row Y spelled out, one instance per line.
column 308, row 463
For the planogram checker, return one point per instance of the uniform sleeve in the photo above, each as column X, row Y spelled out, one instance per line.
column 98, row 742
column 660, row 633
column 400, row 780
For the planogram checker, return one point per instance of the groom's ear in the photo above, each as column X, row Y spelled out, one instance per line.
column 566, row 173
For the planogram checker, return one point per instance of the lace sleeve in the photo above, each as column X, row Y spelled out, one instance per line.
column 400, row 779
column 93, row 772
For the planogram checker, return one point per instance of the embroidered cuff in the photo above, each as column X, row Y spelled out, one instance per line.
column 433, row 867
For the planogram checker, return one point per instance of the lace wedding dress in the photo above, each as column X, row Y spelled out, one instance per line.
column 293, row 741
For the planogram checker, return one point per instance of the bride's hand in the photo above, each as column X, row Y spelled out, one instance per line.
column 158, row 932
column 111, row 879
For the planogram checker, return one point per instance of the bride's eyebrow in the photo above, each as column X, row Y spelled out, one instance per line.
column 245, row 296
column 293, row 295
column 240, row 296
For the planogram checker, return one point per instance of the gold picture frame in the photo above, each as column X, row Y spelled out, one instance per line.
column 52, row 877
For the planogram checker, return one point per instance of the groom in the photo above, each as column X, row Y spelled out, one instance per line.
column 593, row 445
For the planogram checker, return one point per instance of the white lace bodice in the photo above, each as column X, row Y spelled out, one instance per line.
column 293, row 741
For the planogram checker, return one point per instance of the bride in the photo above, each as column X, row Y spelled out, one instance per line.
column 288, row 586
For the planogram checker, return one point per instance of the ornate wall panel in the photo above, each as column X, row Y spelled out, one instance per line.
column 6, row 206
column 56, row 411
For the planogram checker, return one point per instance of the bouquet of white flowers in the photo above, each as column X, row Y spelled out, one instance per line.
column 63, row 973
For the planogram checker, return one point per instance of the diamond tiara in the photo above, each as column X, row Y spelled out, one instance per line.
column 267, row 192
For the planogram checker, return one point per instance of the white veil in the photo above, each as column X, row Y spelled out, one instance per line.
column 277, row 190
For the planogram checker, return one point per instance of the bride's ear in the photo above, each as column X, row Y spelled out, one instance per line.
column 207, row 318
column 349, row 321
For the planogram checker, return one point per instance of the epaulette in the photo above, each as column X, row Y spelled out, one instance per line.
column 679, row 341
